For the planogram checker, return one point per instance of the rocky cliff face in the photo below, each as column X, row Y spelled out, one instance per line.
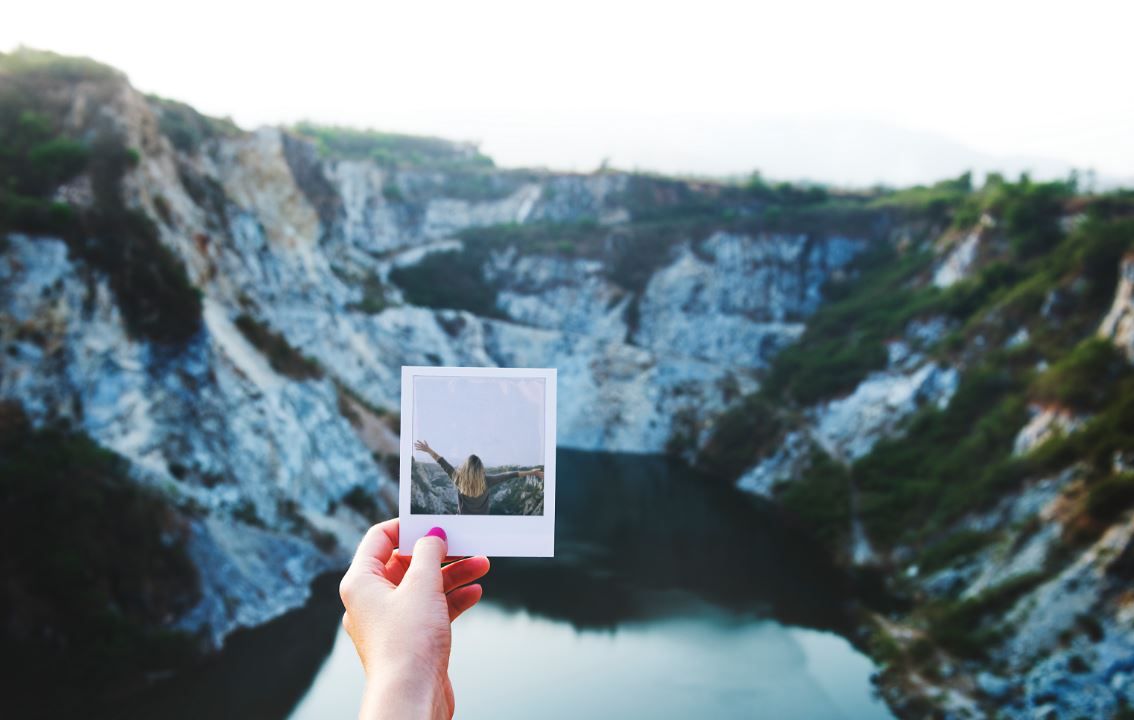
column 267, row 422
column 1013, row 540
column 432, row 493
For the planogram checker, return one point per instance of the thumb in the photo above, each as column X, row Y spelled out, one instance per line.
column 425, row 565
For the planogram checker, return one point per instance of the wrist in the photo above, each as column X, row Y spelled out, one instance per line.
column 402, row 693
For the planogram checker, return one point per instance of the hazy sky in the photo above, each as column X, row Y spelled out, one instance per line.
column 501, row 420
column 906, row 88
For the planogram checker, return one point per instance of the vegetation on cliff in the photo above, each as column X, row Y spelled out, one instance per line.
column 95, row 566
column 952, row 460
column 40, row 152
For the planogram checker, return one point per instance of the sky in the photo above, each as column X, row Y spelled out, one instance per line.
column 499, row 419
column 846, row 92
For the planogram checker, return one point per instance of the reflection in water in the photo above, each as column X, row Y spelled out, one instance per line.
column 509, row 664
column 628, row 526
column 669, row 595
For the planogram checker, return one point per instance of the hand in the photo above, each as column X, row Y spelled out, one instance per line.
column 398, row 612
column 422, row 446
column 536, row 473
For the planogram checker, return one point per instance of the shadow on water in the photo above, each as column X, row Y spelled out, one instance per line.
column 261, row 673
column 629, row 526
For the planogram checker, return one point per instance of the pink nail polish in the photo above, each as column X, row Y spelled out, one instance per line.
column 437, row 532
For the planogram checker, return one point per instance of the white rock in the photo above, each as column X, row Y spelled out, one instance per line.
column 849, row 427
column 1045, row 423
column 956, row 265
column 1118, row 325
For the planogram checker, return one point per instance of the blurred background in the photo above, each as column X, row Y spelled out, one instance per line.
column 841, row 299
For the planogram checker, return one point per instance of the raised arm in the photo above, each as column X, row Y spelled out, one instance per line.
column 423, row 446
column 494, row 480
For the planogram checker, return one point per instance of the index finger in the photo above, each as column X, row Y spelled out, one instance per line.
column 376, row 548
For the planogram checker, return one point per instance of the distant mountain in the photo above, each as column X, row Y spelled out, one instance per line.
column 844, row 151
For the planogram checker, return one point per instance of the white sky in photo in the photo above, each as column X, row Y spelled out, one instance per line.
column 852, row 92
column 499, row 419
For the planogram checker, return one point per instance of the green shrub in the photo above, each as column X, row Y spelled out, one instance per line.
column 1110, row 497
column 785, row 194
column 1085, row 378
column 34, row 160
column 821, row 499
column 1030, row 214
column 186, row 128
column 363, row 502
column 373, row 297
column 245, row 512
column 936, row 201
column 149, row 282
column 453, row 279
column 392, row 192
column 1091, row 626
column 283, row 358
column 740, row 436
column 953, row 548
column 1095, row 443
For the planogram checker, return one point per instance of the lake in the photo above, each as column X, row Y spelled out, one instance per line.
column 670, row 595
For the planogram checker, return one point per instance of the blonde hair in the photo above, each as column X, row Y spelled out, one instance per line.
column 469, row 477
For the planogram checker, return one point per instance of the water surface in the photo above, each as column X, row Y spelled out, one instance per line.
column 670, row 596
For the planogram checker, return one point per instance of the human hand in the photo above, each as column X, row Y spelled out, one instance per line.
column 398, row 611
column 537, row 473
column 422, row 446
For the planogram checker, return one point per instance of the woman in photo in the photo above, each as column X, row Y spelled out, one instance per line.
column 472, row 482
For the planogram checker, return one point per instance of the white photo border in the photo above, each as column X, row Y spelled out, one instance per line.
column 497, row 535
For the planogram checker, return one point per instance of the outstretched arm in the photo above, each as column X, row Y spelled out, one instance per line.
column 423, row 446
column 494, row 480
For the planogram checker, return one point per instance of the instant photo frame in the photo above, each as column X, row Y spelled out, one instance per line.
column 496, row 535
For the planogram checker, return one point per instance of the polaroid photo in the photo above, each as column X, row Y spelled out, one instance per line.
column 478, row 459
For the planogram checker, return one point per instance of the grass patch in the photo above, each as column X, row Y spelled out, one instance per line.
column 394, row 150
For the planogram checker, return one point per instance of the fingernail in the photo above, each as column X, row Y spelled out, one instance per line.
column 438, row 532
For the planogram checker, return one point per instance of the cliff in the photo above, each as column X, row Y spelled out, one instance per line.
column 228, row 310
column 959, row 419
